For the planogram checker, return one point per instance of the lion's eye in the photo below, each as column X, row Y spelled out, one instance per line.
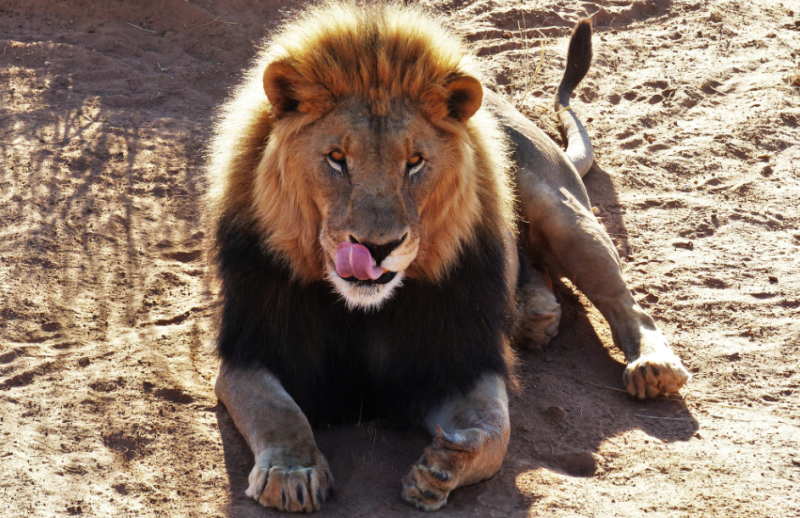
column 337, row 161
column 415, row 165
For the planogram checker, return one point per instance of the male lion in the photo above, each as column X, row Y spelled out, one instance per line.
column 376, row 249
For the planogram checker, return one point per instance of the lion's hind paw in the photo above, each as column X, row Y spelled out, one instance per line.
column 538, row 317
column 653, row 374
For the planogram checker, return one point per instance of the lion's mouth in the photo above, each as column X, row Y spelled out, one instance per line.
column 383, row 279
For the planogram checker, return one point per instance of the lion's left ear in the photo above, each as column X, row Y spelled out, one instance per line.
column 464, row 97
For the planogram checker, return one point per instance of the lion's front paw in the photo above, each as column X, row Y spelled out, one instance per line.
column 427, row 487
column 652, row 374
column 290, row 487
column 441, row 468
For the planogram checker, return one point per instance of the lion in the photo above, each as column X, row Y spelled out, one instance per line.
column 385, row 227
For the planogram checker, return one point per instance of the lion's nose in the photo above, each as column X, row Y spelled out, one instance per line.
column 379, row 252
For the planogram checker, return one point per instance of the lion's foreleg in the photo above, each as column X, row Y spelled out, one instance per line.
column 580, row 248
column 290, row 473
column 470, row 441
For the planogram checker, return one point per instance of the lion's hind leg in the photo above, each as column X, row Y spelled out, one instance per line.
column 574, row 244
column 538, row 311
column 471, row 435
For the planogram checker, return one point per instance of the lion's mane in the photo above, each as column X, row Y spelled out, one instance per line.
column 342, row 50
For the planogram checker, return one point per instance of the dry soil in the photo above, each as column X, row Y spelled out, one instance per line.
column 107, row 302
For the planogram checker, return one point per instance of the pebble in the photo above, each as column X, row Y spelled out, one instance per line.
column 555, row 412
column 687, row 245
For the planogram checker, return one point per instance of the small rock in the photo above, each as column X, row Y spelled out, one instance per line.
column 506, row 35
column 773, row 279
column 555, row 412
column 596, row 211
column 767, row 170
column 686, row 245
column 713, row 282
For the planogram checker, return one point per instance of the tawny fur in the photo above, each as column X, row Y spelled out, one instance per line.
column 380, row 55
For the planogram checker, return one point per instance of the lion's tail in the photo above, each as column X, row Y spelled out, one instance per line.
column 579, row 59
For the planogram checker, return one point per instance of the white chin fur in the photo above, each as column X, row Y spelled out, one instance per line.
column 370, row 296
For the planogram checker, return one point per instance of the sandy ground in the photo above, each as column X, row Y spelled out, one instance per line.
column 107, row 302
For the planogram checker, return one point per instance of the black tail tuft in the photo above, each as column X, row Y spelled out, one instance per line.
column 579, row 59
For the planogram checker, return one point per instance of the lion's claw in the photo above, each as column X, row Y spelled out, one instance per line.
column 653, row 374
column 295, row 489
column 427, row 488
column 436, row 474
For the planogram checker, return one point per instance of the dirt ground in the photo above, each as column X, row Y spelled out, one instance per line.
column 107, row 301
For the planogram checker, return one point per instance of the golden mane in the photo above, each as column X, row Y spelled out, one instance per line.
column 342, row 50
column 377, row 54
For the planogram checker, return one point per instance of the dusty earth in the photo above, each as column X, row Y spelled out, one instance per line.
column 107, row 303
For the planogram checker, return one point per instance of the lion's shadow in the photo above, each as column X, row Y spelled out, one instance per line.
column 569, row 409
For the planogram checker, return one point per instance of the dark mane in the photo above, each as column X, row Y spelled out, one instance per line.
column 430, row 341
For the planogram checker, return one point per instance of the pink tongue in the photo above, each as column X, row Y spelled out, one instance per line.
column 353, row 259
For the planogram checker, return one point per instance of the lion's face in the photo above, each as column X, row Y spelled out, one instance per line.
column 370, row 172
column 372, row 179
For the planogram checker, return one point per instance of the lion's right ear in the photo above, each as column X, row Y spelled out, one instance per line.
column 464, row 97
column 280, row 85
